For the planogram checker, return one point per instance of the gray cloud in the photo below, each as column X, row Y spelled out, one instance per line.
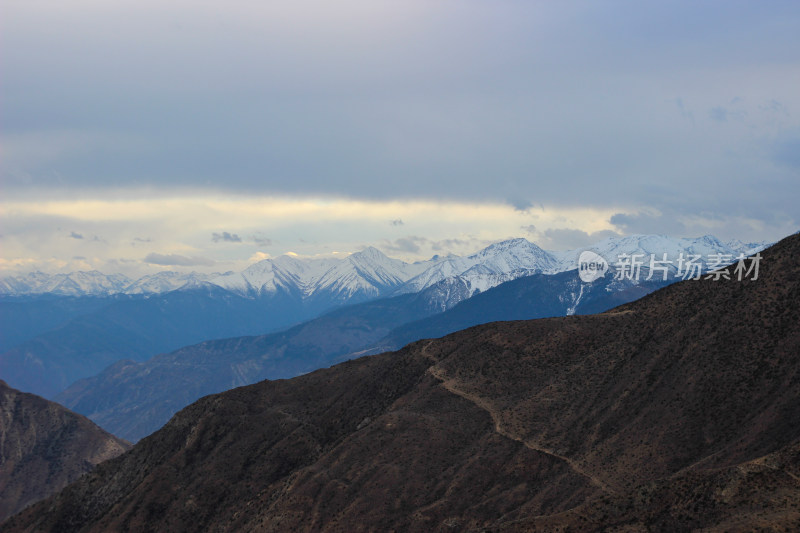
column 445, row 245
column 567, row 238
column 225, row 237
column 719, row 114
column 396, row 222
column 658, row 223
column 177, row 260
column 786, row 151
column 519, row 203
column 415, row 244
column 684, row 112
column 262, row 241
column 411, row 244
column 776, row 107
column 589, row 106
column 75, row 235
column 723, row 114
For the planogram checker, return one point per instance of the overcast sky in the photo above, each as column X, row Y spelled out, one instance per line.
column 139, row 135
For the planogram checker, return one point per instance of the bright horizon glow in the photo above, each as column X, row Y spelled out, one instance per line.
column 209, row 232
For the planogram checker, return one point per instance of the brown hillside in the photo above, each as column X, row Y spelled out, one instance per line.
column 680, row 411
column 44, row 447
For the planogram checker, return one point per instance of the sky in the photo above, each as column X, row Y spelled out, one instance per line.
column 140, row 136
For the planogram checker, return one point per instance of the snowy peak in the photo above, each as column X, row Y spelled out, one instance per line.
column 365, row 274
column 746, row 248
column 515, row 254
column 165, row 281
column 91, row 283
column 495, row 264
column 369, row 254
column 378, row 270
column 706, row 247
column 511, row 259
column 369, row 273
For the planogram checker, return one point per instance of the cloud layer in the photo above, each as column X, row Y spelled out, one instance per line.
column 675, row 117
column 137, row 236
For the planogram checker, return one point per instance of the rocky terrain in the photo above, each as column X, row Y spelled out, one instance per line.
column 678, row 412
column 44, row 447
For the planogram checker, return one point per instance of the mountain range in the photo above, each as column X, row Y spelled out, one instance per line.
column 677, row 412
column 276, row 294
column 133, row 399
column 368, row 273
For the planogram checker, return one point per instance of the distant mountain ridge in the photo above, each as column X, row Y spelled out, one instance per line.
column 369, row 273
column 133, row 399
column 156, row 317
column 267, row 296
column 365, row 274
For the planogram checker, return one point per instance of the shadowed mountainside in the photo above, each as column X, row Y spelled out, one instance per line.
column 133, row 327
column 536, row 296
column 44, row 447
column 133, row 400
column 22, row 319
column 679, row 411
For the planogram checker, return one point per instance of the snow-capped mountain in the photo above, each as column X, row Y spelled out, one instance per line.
column 370, row 274
column 491, row 266
column 518, row 258
column 365, row 274
column 164, row 282
column 746, row 248
column 708, row 248
column 91, row 283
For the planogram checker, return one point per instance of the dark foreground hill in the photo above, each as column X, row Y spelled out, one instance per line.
column 680, row 411
column 44, row 447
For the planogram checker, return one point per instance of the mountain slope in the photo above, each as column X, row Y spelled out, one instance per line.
column 137, row 328
column 536, row 296
column 511, row 425
column 134, row 399
column 44, row 447
column 24, row 319
column 267, row 296
column 491, row 266
column 362, row 275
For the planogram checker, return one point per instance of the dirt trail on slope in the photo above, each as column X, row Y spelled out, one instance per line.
column 452, row 387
